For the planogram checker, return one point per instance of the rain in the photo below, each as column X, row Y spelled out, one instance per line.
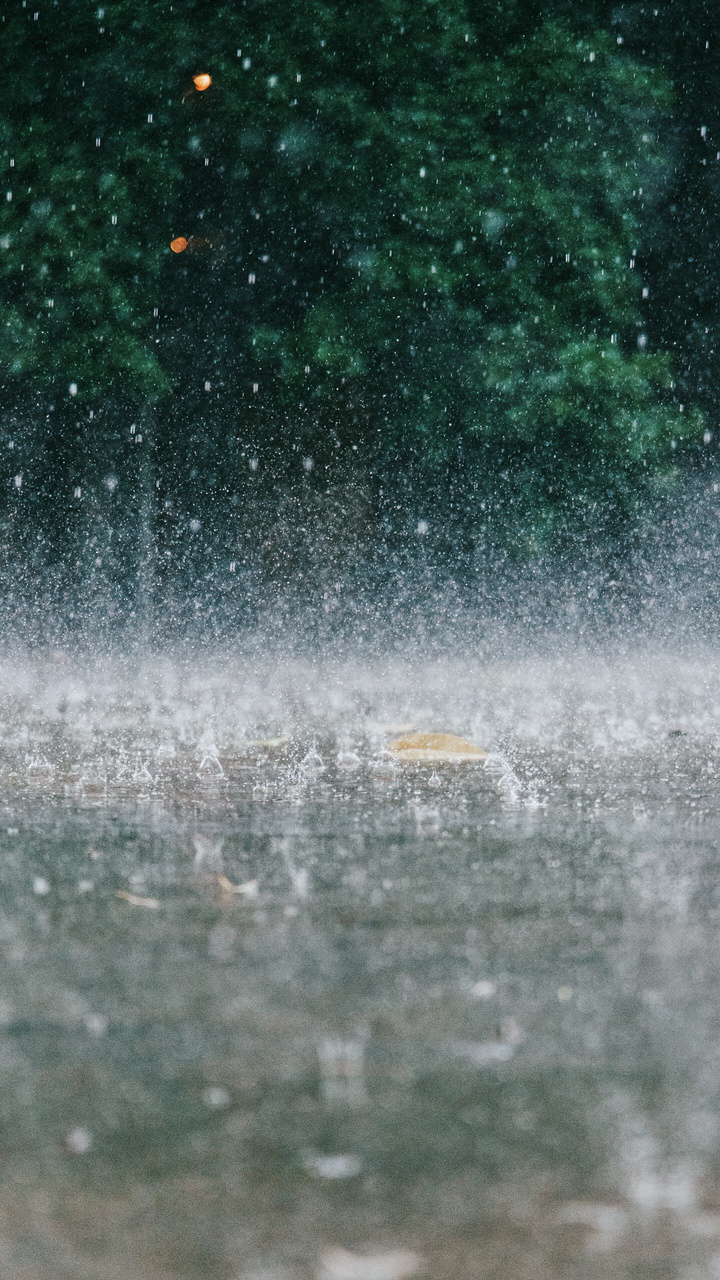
column 359, row 663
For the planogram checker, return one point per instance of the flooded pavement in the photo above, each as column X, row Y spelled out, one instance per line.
column 274, row 1006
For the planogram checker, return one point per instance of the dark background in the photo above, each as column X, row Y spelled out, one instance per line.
column 404, row 430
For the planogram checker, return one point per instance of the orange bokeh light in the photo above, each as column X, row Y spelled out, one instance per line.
column 202, row 82
column 178, row 244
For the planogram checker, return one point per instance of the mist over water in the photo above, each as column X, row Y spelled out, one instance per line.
column 340, row 572
column 167, row 722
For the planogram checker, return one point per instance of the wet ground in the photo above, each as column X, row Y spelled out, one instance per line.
column 275, row 1008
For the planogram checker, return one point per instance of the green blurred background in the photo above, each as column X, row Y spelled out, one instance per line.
column 445, row 289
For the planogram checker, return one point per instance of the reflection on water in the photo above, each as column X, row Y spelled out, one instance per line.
column 273, row 1007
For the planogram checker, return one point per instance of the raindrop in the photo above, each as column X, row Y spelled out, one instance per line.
column 208, row 851
column 210, row 767
column 216, row 1096
column 79, row 1141
column 312, row 763
column 398, row 1264
column 485, row 989
column 343, row 1070
column 39, row 767
column 348, row 760
column 333, row 1167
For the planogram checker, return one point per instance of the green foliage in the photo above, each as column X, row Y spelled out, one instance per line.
column 411, row 211
column 87, row 181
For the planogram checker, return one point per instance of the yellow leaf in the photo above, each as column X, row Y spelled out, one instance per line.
column 135, row 901
column 249, row 889
column 436, row 748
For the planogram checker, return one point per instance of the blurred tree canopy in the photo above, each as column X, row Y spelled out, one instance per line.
column 682, row 237
column 413, row 229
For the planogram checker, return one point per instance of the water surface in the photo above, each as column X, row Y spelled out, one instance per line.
column 461, row 1021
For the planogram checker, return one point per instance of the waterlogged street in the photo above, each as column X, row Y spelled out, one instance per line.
column 276, row 1006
